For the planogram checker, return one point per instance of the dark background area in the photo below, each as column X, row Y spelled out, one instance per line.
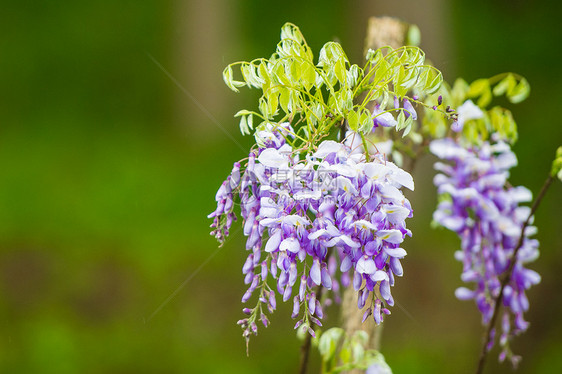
column 108, row 170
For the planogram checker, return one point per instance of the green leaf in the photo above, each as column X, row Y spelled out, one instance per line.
column 478, row 87
column 459, row 91
column 414, row 35
column 485, row 98
column 353, row 120
column 284, row 98
column 250, row 121
column 328, row 342
column 401, row 119
column 358, row 351
column 273, row 102
column 506, row 85
column 340, row 71
column 345, row 354
column 407, row 125
column 228, row 79
column 345, row 99
column 556, row 170
column 366, row 121
column 264, row 108
column 361, row 336
column 519, row 92
column 244, row 126
column 435, row 83
column 308, row 75
column 264, row 75
column 242, row 112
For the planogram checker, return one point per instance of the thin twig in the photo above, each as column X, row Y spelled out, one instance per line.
column 507, row 277
column 305, row 349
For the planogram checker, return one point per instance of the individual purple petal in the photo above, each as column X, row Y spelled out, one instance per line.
column 273, row 242
column 315, row 272
column 296, row 307
column 396, row 266
column 302, row 288
column 357, row 280
column 345, row 264
column 463, row 293
column 326, row 279
column 312, row 303
column 287, row 293
column 410, row 111
column 385, row 289
column 365, row 265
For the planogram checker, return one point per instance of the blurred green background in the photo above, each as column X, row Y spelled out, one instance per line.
column 108, row 170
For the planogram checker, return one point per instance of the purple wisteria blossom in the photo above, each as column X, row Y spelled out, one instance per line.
column 483, row 209
column 327, row 218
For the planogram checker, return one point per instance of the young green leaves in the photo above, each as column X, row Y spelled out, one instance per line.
column 314, row 97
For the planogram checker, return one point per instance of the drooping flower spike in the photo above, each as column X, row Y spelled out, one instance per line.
column 328, row 218
column 484, row 210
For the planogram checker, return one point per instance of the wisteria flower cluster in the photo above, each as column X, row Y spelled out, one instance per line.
column 308, row 216
column 484, row 210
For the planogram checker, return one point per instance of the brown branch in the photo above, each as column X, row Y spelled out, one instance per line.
column 507, row 277
column 305, row 353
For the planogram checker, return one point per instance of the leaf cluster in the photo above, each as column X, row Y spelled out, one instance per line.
column 496, row 120
column 315, row 96
column 341, row 352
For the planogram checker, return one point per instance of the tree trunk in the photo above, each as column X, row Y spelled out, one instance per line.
column 381, row 31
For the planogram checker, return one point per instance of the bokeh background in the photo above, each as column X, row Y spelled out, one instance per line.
column 110, row 156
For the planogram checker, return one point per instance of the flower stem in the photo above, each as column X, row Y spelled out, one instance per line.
column 507, row 277
column 305, row 349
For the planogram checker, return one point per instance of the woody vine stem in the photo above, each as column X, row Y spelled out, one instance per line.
column 507, row 277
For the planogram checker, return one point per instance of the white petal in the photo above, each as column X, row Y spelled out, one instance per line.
column 521, row 194
column 447, row 149
column 463, row 293
column 316, row 234
column 375, row 170
column 379, row 275
column 391, row 236
column 346, row 185
column 396, row 213
column 272, row 158
column 364, row 224
column 395, row 252
column 294, row 220
column 273, row 242
column 469, row 111
column 344, row 170
column 365, row 265
column 390, row 192
column 401, row 177
column 290, row 244
column 327, row 147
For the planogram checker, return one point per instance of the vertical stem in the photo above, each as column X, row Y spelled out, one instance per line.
column 305, row 353
column 365, row 147
column 507, row 277
column 305, row 348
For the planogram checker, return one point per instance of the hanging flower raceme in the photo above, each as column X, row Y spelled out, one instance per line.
column 316, row 222
column 479, row 205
